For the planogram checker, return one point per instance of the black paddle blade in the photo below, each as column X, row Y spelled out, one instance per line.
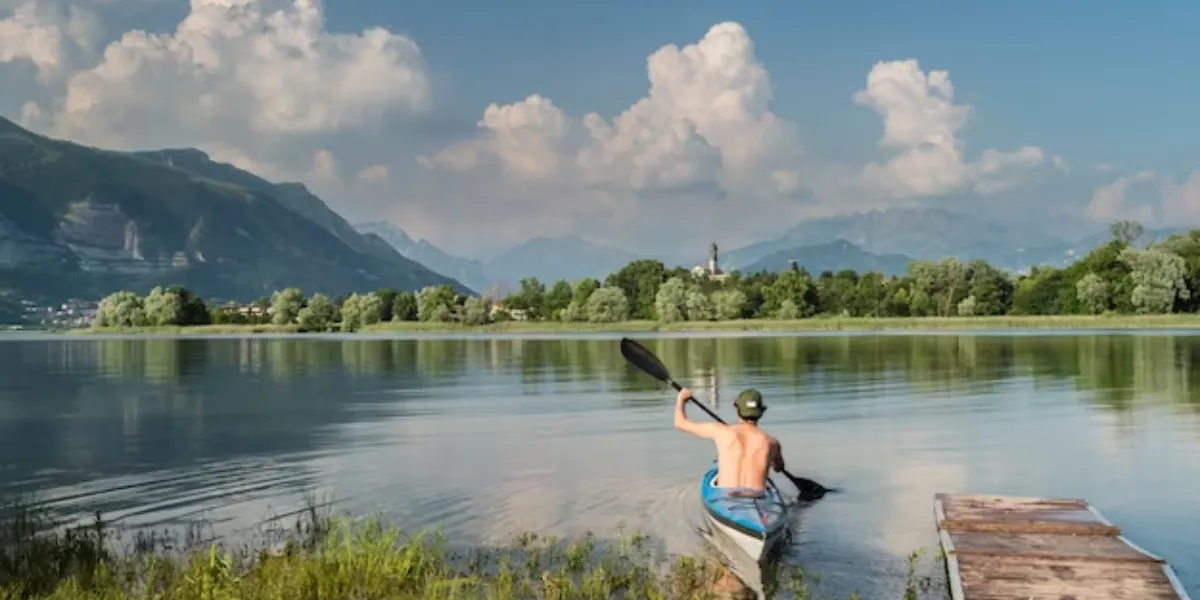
column 809, row 489
column 645, row 360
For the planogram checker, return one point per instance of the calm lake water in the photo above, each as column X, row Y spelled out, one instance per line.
column 488, row 437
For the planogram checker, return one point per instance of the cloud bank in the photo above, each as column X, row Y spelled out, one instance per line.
column 266, row 85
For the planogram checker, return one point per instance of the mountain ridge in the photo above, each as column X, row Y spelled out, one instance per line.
column 834, row 256
column 82, row 221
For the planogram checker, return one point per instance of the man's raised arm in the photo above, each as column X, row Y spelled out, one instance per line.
column 683, row 423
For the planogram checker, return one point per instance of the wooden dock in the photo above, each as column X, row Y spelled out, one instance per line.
column 1005, row 547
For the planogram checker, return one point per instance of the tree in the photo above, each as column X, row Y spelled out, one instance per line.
column 1126, row 232
column 966, row 308
column 699, row 307
column 583, row 290
column 316, row 314
column 558, row 298
column 787, row 310
column 387, row 302
column 434, row 303
column 670, row 301
column 1093, row 293
column 286, row 305
column 163, row 308
column 1158, row 279
column 794, row 285
column 120, row 309
column 728, row 304
column 640, row 281
column 352, row 312
column 476, row 311
column 574, row 312
column 404, row 307
column 608, row 304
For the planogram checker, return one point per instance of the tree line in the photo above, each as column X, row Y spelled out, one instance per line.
column 1119, row 276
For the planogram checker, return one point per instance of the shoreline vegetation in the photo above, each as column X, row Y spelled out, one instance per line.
column 337, row 558
column 1118, row 284
column 1062, row 322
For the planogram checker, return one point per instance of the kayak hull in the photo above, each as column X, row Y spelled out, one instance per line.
column 754, row 525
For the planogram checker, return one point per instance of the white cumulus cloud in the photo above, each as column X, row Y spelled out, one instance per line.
column 48, row 35
column 235, row 70
column 705, row 119
column 922, row 122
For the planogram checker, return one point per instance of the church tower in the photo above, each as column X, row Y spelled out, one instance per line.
column 712, row 258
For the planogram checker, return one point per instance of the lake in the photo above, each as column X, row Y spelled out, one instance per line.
column 486, row 437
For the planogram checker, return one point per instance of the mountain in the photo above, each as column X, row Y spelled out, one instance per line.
column 468, row 271
column 928, row 234
column 81, row 221
column 568, row 257
column 834, row 256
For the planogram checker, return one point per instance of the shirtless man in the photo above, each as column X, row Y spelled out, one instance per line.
column 744, row 452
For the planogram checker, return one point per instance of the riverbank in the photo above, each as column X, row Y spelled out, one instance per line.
column 1081, row 322
column 348, row 559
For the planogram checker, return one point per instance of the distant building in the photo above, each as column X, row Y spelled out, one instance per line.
column 517, row 314
column 712, row 270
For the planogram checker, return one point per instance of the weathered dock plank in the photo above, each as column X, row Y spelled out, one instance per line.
column 1009, row 548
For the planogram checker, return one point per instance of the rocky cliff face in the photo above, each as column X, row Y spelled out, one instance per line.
column 105, row 240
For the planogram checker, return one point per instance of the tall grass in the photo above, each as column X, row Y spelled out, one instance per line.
column 323, row 557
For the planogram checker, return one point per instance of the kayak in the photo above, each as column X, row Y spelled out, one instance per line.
column 755, row 525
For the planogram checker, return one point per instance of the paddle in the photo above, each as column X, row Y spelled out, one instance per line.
column 644, row 359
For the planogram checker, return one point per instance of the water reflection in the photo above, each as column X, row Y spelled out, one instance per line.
column 486, row 437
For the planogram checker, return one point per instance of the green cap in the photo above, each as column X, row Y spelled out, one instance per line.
column 750, row 404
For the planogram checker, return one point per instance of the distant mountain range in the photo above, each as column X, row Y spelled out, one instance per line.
column 884, row 241
column 466, row 270
column 549, row 259
column 834, row 256
column 932, row 234
column 82, row 222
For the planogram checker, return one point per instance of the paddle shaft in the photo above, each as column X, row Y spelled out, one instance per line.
column 718, row 419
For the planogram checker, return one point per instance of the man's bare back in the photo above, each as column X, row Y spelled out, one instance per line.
column 744, row 452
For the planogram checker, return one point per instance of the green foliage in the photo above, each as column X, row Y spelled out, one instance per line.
column 316, row 315
column 286, row 305
column 475, row 311
column 1114, row 277
column 434, row 303
column 404, row 307
column 1158, row 279
column 670, row 301
column 360, row 310
column 608, row 304
column 1093, row 293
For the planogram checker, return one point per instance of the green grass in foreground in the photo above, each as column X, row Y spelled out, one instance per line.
column 1083, row 322
column 340, row 559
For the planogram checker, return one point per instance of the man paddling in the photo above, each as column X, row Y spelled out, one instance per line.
column 744, row 452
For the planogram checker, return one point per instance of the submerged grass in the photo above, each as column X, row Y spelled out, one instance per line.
column 343, row 558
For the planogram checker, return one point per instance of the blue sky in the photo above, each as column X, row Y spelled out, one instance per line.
column 1099, row 89
column 1096, row 81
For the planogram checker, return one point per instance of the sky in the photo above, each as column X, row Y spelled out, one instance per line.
column 645, row 125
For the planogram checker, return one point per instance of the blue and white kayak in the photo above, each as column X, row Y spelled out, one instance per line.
column 754, row 524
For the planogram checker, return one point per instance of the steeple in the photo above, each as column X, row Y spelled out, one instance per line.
column 712, row 258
